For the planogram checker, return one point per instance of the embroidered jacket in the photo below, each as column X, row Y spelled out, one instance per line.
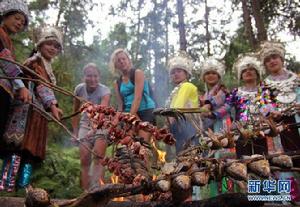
column 43, row 93
column 248, row 103
column 7, row 68
column 215, row 97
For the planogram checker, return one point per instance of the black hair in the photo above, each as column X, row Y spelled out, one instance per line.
column 33, row 51
column 12, row 13
column 257, row 74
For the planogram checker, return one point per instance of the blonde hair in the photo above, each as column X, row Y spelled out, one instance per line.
column 91, row 65
column 112, row 64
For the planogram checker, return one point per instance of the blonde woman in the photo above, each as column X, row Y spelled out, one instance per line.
column 132, row 89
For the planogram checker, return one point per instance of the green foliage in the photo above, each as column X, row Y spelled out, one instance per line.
column 59, row 173
column 23, row 46
column 238, row 45
column 286, row 14
column 206, row 29
column 292, row 64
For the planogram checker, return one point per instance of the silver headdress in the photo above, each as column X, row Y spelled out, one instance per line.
column 270, row 48
column 212, row 64
column 49, row 33
column 7, row 6
column 248, row 60
column 182, row 61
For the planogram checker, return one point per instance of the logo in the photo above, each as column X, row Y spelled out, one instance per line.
column 272, row 190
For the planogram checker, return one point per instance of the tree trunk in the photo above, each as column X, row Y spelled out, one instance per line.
column 160, row 74
column 167, row 31
column 248, row 25
column 206, row 28
column 60, row 11
column 182, row 36
column 259, row 21
column 137, row 50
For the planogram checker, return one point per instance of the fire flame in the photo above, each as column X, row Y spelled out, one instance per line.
column 161, row 154
column 101, row 182
column 115, row 180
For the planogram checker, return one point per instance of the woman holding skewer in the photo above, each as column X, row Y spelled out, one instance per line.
column 284, row 86
column 97, row 93
column 249, row 101
column 184, row 95
column 14, row 19
column 212, row 71
column 48, row 46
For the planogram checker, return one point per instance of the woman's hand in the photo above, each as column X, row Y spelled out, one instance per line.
column 206, row 111
column 24, row 95
column 56, row 112
column 206, row 114
column 75, row 132
column 206, row 107
column 276, row 114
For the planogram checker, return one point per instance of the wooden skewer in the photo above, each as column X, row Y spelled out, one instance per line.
column 38, row 80
column 186, row 110
column 42, row 79
column 48, row 115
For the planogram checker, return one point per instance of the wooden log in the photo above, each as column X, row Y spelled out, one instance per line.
column 224, row 200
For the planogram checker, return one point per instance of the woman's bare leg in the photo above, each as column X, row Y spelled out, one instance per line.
column 98, row 169
column 85, row 161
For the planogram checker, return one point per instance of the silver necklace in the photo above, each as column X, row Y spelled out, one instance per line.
column 285, row 89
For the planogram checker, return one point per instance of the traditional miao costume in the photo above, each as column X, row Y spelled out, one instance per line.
column 32, row 146
column 286, row 92
column 215, row 97
column 184, row 95
column 11, row 159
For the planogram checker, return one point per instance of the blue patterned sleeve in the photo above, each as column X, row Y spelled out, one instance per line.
column 46, row 95
column 9, row 68
column 225, row 109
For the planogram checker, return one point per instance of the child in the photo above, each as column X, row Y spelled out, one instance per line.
column 212, row 71
column 184, row 95
column 246, row 105
column 49, row 45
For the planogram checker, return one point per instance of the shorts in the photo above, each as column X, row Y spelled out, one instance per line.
column 85, row 134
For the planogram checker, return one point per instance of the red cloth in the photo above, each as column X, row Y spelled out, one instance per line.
column 6, row 41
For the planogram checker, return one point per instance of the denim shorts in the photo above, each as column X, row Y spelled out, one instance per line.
column 84, row 132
